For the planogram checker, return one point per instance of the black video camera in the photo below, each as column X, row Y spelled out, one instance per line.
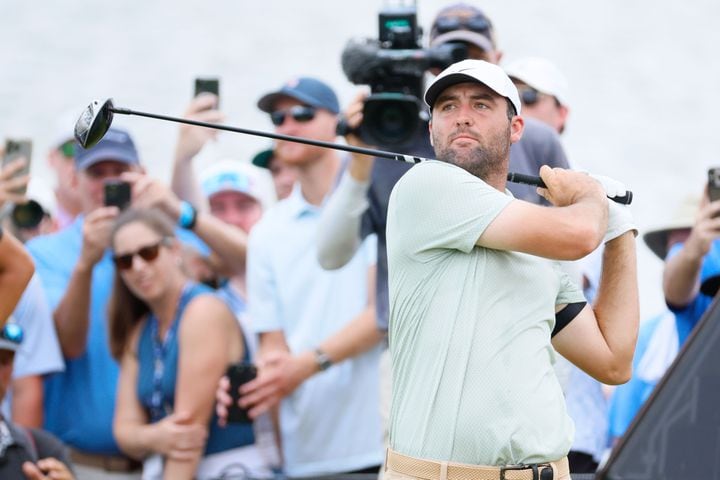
column 394, row 66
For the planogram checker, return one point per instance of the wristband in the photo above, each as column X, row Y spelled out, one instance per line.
column 188, row 215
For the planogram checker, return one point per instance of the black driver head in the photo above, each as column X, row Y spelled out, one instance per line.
column 94, row 122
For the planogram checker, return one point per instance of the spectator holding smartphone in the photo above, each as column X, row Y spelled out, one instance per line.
column 76, row 269
column 692, row 268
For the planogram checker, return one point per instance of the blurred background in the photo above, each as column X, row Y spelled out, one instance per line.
column 643, row 77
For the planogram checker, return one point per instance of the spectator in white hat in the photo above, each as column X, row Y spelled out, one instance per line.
column 543, row 90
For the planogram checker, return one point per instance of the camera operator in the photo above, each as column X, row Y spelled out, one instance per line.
column 359, row 205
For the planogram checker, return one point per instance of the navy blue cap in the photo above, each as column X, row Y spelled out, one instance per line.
column 116, row 146
column 309, row 91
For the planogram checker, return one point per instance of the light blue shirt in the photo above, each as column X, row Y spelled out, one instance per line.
column 80, row 402
column 39, row 353
column 331, row 423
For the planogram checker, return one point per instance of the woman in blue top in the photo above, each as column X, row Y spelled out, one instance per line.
column 174, row 339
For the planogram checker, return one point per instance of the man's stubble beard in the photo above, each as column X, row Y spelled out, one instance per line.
column 484, row 161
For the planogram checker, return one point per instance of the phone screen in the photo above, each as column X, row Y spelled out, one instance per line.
column 714, row 184
column 239, row 373
column 15, row 149
column 117, row 194
column 209, row 85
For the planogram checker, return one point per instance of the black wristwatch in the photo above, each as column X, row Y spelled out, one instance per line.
column 322, row 360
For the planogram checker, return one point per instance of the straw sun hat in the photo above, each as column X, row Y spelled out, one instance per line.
column 683, row 218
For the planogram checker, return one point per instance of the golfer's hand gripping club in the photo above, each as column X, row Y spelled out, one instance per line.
column 614, row 190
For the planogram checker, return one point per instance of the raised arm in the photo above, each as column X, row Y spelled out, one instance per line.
column 227, row 242
column 191, row 140
column 681, row 277
column 71, row 316
column 339, row 231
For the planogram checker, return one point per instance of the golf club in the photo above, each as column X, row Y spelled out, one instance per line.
column 96, row 119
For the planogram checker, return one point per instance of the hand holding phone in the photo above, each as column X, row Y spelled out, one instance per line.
column 208, row 85
column 239, row 374
column 14, row 150
column 714, row 184
column 117, row 194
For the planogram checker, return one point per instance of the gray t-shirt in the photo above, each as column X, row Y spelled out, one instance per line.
column 473, row 378
column 539, row 145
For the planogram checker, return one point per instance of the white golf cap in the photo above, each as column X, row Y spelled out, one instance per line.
column 478, row 71
column 235, row 176
column 542, row 75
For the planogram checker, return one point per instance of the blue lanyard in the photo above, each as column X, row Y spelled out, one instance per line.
column 159, row 406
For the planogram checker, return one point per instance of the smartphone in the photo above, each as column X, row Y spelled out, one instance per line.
column 14, row 149
column 239, row 374
column 117, row 194
column 210, row 85
column 714, row 184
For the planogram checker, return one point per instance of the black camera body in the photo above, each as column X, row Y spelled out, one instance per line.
column 394, row 66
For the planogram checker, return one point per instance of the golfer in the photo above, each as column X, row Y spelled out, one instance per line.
column 478, row 303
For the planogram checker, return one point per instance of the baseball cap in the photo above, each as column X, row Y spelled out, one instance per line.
column 542, row 75
column 262, row 159
column 462, row 22
column 683, row 218
column 307, row 90
column 116, row 145
column 11, row 336
column 230, row 175
column 478, row 71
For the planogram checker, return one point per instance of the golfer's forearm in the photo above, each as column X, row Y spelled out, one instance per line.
column 358, row 336
column 617, row 306
column 681, row 278
column 71, row 315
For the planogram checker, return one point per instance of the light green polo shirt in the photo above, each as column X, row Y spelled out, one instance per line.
column 473, row 378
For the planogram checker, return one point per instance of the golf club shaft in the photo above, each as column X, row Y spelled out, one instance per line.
column 512, row 177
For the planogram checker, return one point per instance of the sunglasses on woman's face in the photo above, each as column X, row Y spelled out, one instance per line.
column 148, row 254
column 299, row 113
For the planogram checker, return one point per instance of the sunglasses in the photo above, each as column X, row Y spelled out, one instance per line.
column 12, row 332
column 68, row 149
column 530, row 96
column 148, row 254
column 299, row 113
column 478, row 24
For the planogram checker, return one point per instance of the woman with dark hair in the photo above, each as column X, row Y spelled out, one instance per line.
column 174, row 340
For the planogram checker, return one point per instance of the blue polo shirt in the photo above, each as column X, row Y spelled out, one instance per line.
column 80, row 402
column 331, row 423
